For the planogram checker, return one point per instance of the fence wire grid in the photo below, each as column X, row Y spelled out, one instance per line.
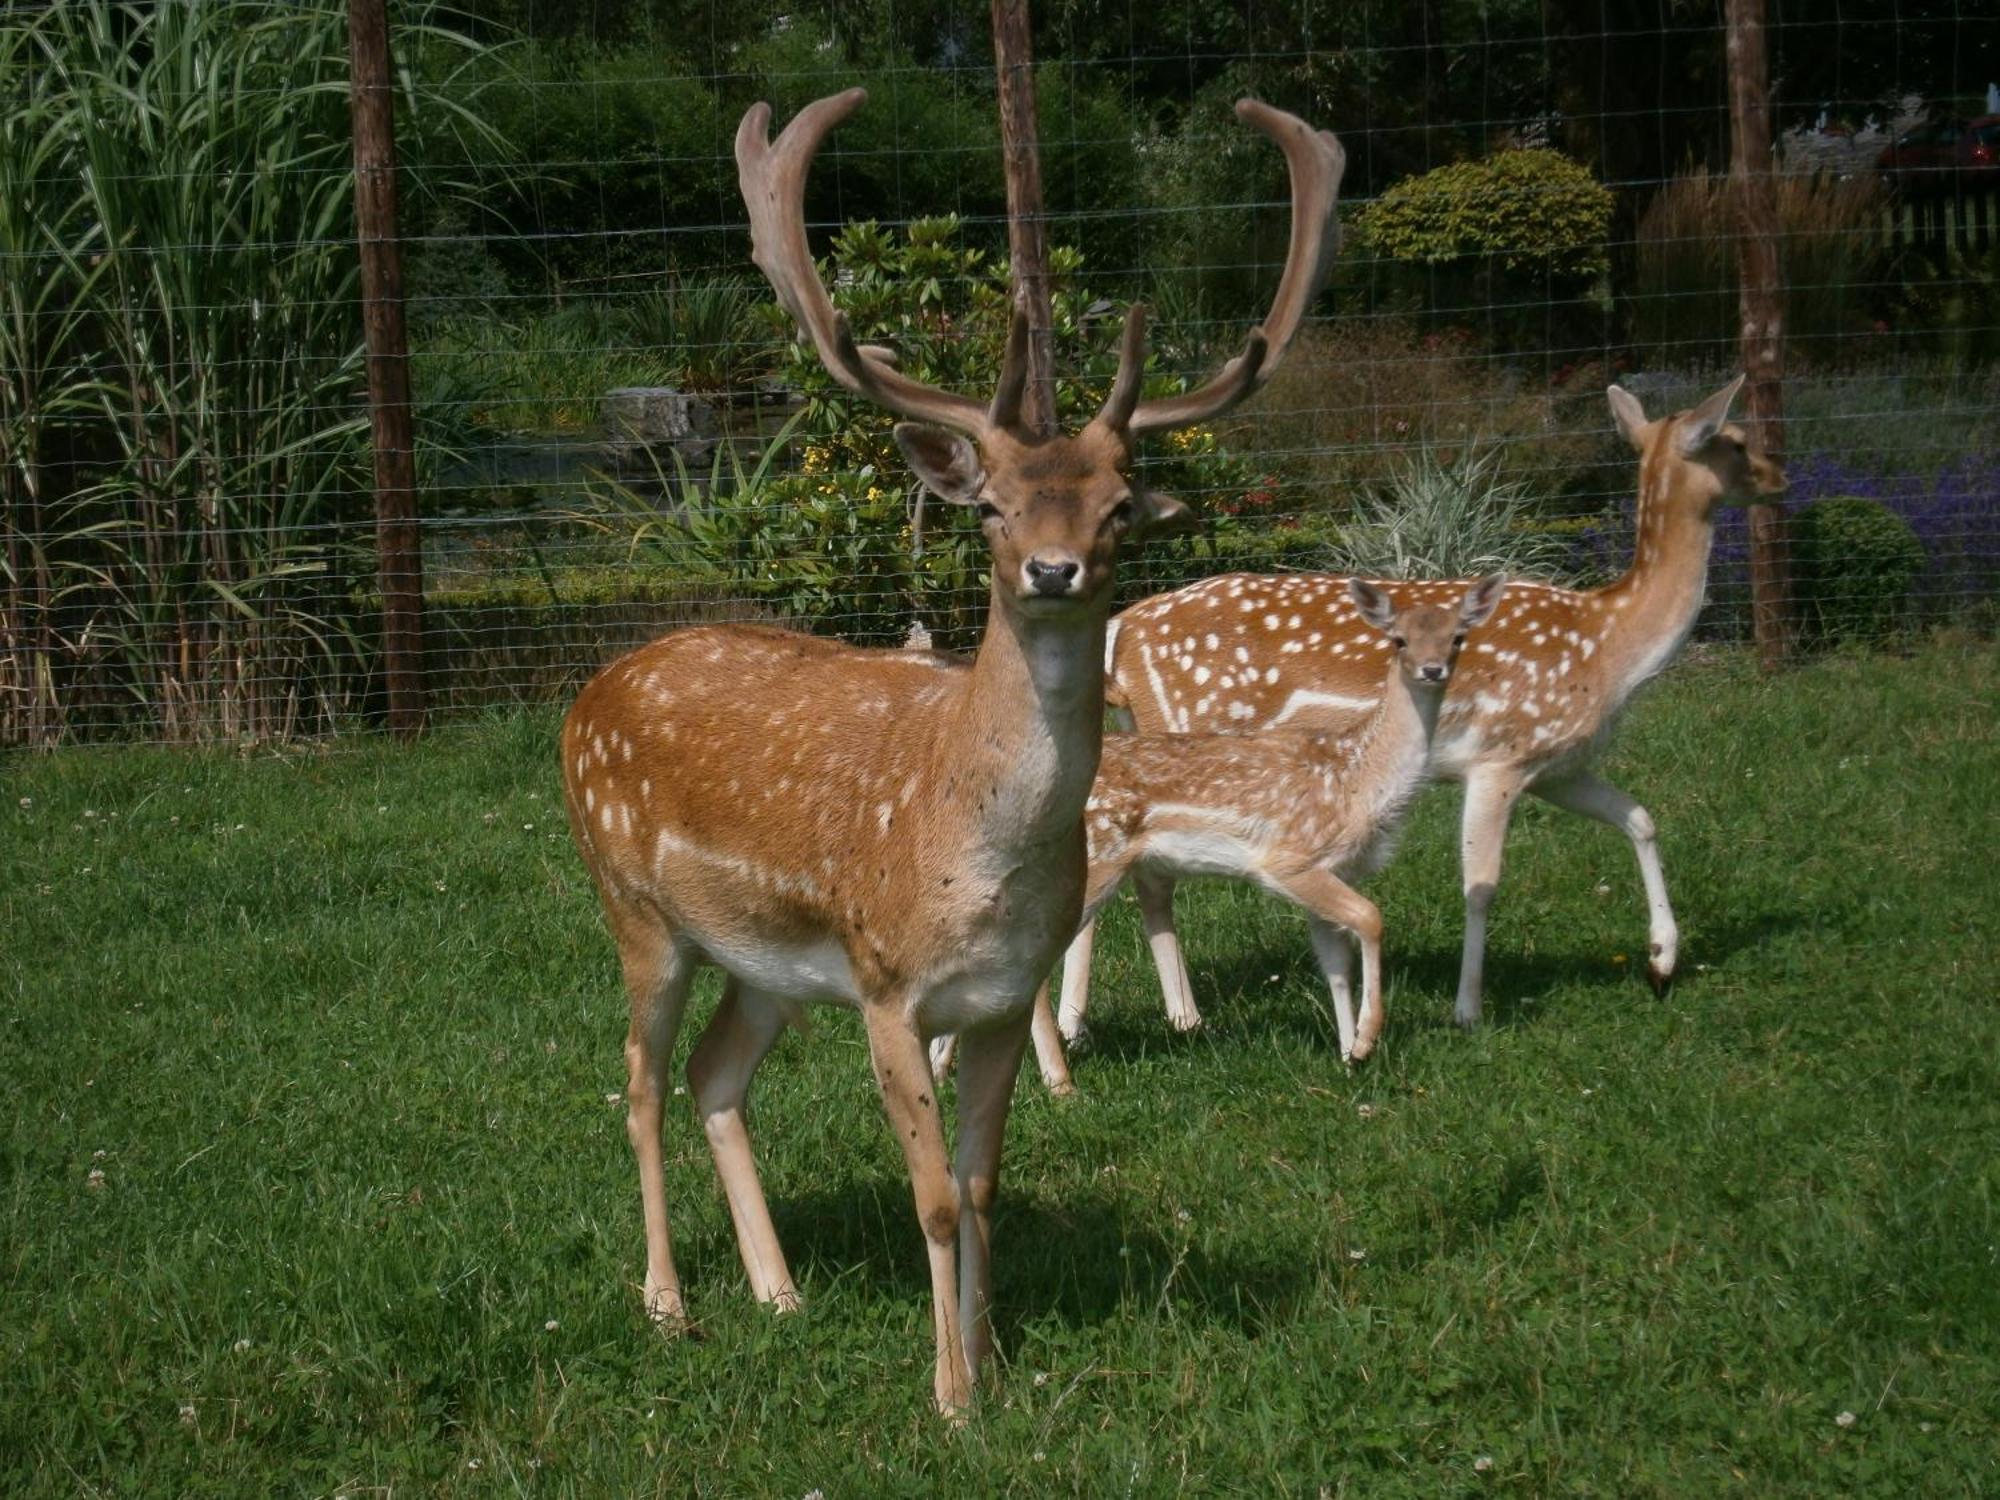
column 617, row 431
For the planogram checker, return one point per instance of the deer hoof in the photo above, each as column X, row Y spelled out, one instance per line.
column 1660, row 979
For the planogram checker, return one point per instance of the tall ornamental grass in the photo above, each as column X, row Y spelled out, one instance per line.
column 182, row 417
column 1684, row 308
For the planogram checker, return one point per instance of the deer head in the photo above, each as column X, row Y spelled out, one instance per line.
column 1053, row 509
column 1427, row 637
column 1721, row 465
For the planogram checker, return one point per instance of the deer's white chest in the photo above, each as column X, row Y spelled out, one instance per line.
column 1007, row 939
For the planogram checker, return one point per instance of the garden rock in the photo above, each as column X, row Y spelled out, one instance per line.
column 645, row 425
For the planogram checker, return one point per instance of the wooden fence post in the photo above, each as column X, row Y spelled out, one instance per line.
column 398, row 547
column 1027, row 228
column 1760, row 300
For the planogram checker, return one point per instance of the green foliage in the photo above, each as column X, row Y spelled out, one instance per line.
column 181, row 404
column 1853, row 563
column 1439, row 517
column 1530, row 210
column 1951, row 302
column 343, row 1027
column 835, row 545
column 705, row 327
column 546, row 372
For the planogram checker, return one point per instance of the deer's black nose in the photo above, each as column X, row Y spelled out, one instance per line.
column 1431, row 672
column 1046, row 577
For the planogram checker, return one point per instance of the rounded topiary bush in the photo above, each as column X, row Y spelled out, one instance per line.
column 1530, row 210
column 1854, row 561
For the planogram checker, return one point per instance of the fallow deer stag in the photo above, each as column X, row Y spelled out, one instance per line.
column 1531, row 702
column 866, row 828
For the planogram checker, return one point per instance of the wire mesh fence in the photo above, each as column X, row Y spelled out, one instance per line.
column 616, row 431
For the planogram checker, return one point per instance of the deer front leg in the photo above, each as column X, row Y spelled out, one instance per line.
column 991, row 1062
column 1156, row 905
column 1490, row 795
column 1329, row 901
column 720, row 1068
column 1594, row 797
column 909, row 1097
column 657, row 974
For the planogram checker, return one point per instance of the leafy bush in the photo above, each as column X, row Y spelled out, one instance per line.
column 836, row 543
column 704, row 327
column 1530, row 211
column 1439, row 517
column 1951, row 302
column 539, row 373
column 1853, row 564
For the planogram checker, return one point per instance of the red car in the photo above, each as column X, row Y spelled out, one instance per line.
column 1936, row 154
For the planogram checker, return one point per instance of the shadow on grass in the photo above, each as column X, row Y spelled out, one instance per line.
column 1078, row 1258
column 1424, row 983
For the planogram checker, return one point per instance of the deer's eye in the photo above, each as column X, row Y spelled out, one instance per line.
column 1458, row 640
column 988, row 512
column 1398, row 642
column 1121, row 513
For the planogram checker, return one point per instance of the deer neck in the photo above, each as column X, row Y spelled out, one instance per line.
column 1027, row 742
column 1398, row 745
column 1649, row 611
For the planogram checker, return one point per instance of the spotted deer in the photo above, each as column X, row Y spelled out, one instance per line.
column 875, row 829
column 1299, row 812
column 1531, row 702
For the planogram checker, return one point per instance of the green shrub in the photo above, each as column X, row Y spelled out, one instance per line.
column 1853, row 563
column 835, row 544
column 704, row 327
column 1533, row 211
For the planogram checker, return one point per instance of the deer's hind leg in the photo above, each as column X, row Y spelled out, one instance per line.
column 1155, row 890
column 739, row 1036
column 1593, row 797
column 658, row 969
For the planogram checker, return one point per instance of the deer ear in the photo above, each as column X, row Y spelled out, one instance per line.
column 946, row 463
column 1376, row 607
column 1699, row 427
column 1481, row 600
column 1160, row 514
column 1628, row 415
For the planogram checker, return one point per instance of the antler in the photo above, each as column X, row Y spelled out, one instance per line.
column 1316, row 162
column 773, row 178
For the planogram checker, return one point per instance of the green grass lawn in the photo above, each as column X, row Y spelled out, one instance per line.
column 341, row 1033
